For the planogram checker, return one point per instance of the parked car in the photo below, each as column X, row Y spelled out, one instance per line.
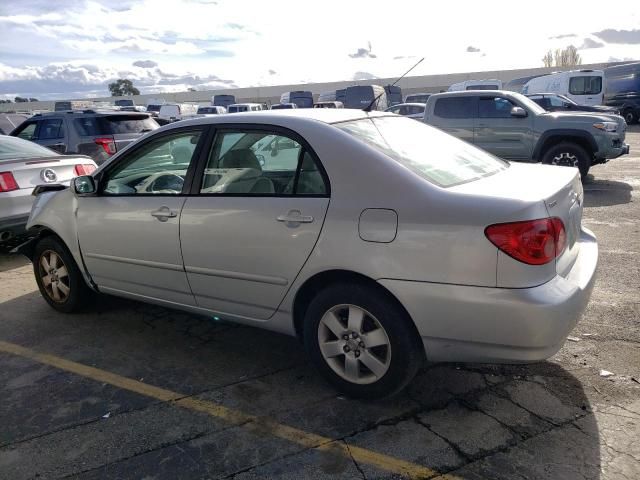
column 328, row 104
column 517, row 84
column 153, row 106
column 341, row 95
column 64, row 105
column 327, row 97
column 211, row 110
column 23, row 166
column 124, row 102
column 173, row 112
column 622, row 90
column 585, row 87
column 223, row 100
column 514, row 127
column 476, row 85
column 394, row 94
column 360, row 96
column 303, row 240
column 554, row 102
column 245, row 107
column 417, row 98
column 411, row 110
column 302, row 98
column 283, row 106
column 10, row 121
column 97, row 134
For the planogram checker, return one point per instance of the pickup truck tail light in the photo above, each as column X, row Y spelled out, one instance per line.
column 84, row 169
column 7, row 182
column 108, row 144
column 534, row 242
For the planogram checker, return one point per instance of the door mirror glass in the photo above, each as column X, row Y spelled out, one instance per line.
column 518, row 112
column 84, row 185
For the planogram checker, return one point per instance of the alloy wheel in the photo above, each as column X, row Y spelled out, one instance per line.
column 54, row 276
column 354, row 344
column 565, row 159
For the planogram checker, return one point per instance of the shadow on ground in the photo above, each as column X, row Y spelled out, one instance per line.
column 605, row 193
column 474, row 421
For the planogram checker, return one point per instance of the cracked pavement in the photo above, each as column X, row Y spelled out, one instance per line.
column 553, row 420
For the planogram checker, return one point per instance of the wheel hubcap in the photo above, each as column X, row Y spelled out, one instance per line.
column 54, row 276
column 565, row 159
column 354, row 344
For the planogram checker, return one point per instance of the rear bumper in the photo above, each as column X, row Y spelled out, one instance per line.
column 501, row 325
column 15, row 225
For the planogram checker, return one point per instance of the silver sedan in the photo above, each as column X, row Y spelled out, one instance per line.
column 24, row 165
column 377, row 240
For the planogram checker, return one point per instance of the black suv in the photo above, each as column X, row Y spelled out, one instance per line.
column 98, row 134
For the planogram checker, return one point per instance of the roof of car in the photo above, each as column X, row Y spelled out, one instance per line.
column 324, row 115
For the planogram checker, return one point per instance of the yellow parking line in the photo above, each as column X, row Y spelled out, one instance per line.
column 265, row 424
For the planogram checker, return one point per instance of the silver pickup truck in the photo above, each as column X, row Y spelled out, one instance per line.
column 513, row 127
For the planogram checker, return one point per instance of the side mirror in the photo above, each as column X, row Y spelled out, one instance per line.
column 84, row 185
column 518, row 112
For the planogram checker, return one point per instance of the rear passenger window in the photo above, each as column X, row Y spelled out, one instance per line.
column 51, row 129
column 86, row 126
column 455, row 107
column 494, row 107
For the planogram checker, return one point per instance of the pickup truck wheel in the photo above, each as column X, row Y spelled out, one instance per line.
column 630, row 116
column 361, row 341
column 566, row 154
column 58, row 277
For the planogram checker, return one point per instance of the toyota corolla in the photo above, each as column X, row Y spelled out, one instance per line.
column 379, row 241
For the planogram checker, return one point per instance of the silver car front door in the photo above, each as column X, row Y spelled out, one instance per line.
column 257, row 215
column 129, row 231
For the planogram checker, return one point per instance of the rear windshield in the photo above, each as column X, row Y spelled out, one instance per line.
column 430, row 153
column 12, row 148
column 114, row 124
column 153, row 108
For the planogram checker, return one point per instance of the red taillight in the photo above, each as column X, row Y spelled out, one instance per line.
column 7, row 182
column 84, row 169
column 534, row 242
column 108, row 144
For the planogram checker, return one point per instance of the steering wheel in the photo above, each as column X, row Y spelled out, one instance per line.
column 166, row 181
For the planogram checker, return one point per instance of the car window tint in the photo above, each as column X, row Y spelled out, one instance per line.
column 260, row 163
column 27, row 131
column 158, row 167
column 455, row 107
column 86, row 126
column 51, row 129
column 448, row 161
column 494, row 107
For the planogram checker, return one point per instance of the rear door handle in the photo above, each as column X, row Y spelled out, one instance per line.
column 295, row 216
column 164, row 213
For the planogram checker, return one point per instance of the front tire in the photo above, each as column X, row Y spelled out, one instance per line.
column 630, row 116
column 58, row 277
column 567, row 154
column 361, row 341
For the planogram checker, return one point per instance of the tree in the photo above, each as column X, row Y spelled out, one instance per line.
column 123, row 87
column 6, row 100
column 20, row 99
column 33, row 99
column 562, row 57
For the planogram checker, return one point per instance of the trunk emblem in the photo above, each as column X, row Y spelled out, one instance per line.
column 48, row 175
column 553, row 204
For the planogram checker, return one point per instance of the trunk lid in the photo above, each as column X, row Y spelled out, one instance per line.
column 559, row 189
column 58, row 169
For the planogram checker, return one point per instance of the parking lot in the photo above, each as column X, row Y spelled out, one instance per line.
column 128, row 390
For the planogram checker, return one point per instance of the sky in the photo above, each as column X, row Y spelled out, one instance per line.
column 53, row 49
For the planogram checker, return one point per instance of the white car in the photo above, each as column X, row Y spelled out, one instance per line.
column 411, row 110
column 23, row 166
column 378, row 240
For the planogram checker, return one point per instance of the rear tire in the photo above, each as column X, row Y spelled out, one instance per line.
column 567, row 154
column 630, row 116
column 58, row 277
column 361, row 341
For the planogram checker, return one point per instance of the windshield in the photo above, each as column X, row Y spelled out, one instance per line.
column 528, row 103
column 12, row 148
column 434, row 155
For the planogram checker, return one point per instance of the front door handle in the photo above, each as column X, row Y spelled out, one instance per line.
column 164, row 213
column 295, row 216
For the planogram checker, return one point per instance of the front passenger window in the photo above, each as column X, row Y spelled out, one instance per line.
column 157, row 168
